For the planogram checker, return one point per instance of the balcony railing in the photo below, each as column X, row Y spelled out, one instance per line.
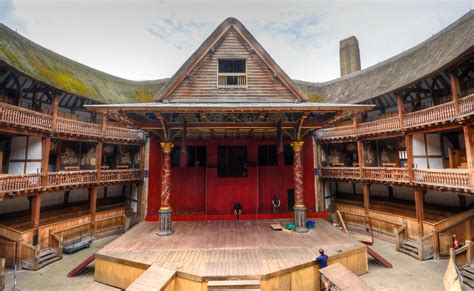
column 24, row 118
column 378, row 126
column 74, row 127
column 386, row 174
column 30, row 182
column 458, row 178
column 339, row 172
column 426, row 117
column 446, row 178
column 440, row 113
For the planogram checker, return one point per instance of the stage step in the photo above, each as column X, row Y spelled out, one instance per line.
column 46, row 257
column 229, row 285
column 410, row 248
column 467, row 274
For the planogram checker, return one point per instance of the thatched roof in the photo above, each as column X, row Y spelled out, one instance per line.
column 429, row 57
column 67, row 75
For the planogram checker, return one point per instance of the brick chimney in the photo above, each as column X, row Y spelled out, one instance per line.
column 349, row 55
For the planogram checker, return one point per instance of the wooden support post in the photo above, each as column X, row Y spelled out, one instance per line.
column 46, row 146
column 455, row 92
column 401, row 110
column 360, row 157
column 98, row 160
column 57, row 165
column 35, row 217
column 165, row 208
column 366, row 192
column 55, row 106
column 355, row 123
column 300, row 209
column 93, row 207
column 409, row 148
column 420, row 213
column 469, row 144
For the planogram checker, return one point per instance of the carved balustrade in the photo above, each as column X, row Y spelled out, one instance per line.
column 466, row 105
column 120, row 133
column 22, row 117
column 458, row 178
column 426, row 117
column 341, row 172
column 386, row 174
column 19, row 117
column 75, row 127
column 435, row 114
column 120, row 175
column 10, row 183
column 379, row 126
column 336, row 132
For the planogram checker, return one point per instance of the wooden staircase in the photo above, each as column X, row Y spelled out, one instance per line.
column 228, row 285
column 410, row 248
column 468, row 275
column 45, row 257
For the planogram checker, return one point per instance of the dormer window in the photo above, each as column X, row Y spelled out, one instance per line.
column 232, row 73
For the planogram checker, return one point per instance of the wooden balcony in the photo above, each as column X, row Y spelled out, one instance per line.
column 433, row 116
column 11, row 185
column 449, row 179
column 24, row 119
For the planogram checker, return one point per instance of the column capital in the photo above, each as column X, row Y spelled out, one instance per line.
column 297, row 146
column 167, row 147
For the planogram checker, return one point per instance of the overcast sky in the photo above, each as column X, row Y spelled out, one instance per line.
column 142, row 40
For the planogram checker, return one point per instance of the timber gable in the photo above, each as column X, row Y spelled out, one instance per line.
column 197, row 79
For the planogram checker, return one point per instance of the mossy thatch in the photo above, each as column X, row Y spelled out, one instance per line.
column 68, row 75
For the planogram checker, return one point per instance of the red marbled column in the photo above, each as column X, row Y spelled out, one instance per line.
column 166, row 175
column 298, row 172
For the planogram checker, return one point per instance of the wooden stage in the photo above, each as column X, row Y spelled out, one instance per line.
column 202, row 251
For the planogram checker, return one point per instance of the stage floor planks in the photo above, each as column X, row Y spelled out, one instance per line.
column 227, row 249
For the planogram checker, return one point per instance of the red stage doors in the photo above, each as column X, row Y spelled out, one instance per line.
column 199, row 190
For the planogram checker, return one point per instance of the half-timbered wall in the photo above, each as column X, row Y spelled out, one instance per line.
column 25, row 156
column 201, row 84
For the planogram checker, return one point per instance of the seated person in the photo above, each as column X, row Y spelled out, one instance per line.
column 276, row 204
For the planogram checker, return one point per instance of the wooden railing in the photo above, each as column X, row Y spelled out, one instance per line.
column 426, row 117
column 466, row 105
column 123, row 133
column 386, row 174
column 75, row 127
column 458, row 178
column 15, row 115
column 120, row 175
column 24, row 181
column 340, row 172
column 24, row 118
column 56, row 242
column 428, row 246
column 71, row 178
column 463, row 255
column 439, row 113
column 450, row 178
column 336, row 132
column 223, row 79
column 378, row 126
column 400, row 235
column 29, row 182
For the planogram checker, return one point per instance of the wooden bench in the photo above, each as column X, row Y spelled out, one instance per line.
column 344, row 279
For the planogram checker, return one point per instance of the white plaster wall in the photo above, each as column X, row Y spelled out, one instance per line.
column 442, row 198
column 53, row 198
column 79, row 195
column 327, row 192
column 115, row 190
column 378, row 190
column 34, row 148
column 13, row 205
column 403, row 193
column 418, row 144
column 133, row 204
